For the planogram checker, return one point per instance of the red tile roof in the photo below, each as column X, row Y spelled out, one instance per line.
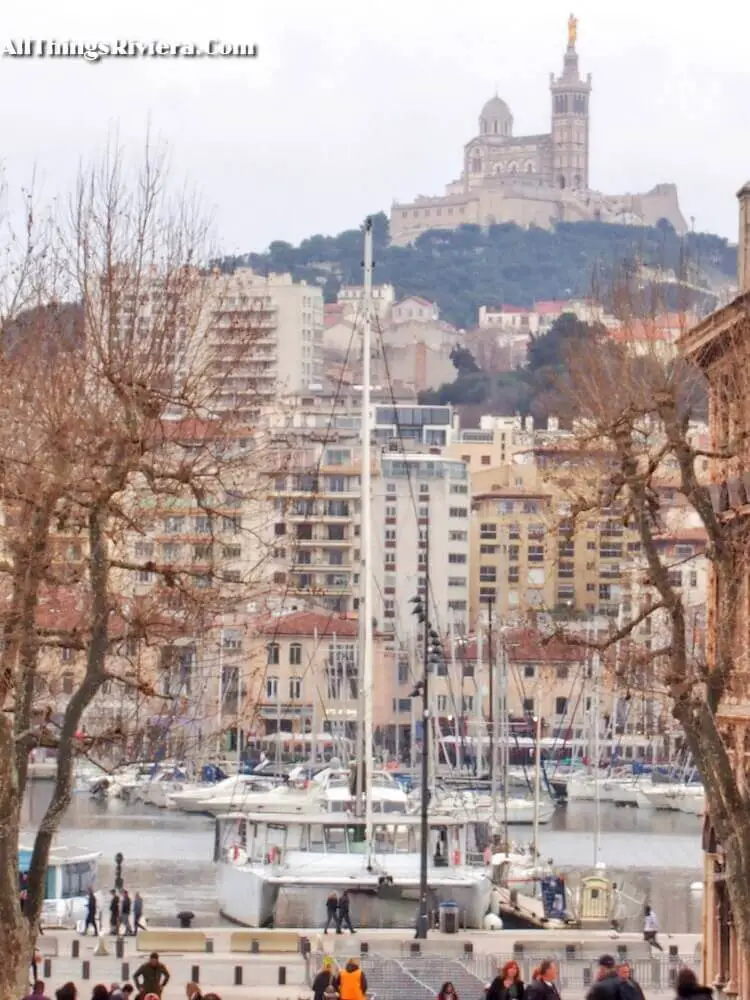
column 550, row 307
column 309, row 623
column 526, row 646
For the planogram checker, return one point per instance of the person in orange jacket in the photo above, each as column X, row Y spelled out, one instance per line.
column 351, row 982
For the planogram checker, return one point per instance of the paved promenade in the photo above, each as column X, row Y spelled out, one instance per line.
column 284, row 975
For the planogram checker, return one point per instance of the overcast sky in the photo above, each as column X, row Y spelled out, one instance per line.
column 351, row 104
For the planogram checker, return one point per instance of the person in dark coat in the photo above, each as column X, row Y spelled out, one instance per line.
column 125, row 908
column 324, row 979
column 152, row 976
column 607, row 984
column 114, row 913
column 90, row 913
column 345, row 919
column 507, row 984
column 688, row 986
column 332, row 913
column 543, row 985
column 629, row 988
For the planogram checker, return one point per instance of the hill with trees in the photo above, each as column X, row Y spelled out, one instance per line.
column 468, row 267
column 542, row 387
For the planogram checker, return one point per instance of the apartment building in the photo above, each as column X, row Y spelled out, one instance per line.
column 421, row 500
column 527, row 554
column 304, row 674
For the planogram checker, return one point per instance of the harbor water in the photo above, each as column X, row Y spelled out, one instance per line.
column 653, row 856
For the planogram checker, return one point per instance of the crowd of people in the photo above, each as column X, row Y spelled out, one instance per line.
column 149, row 982
column 125, row 913
column 614, row 981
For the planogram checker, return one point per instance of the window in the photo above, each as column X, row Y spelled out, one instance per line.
column 605, row 592
column 459, row 488
column 513, row 553
column 295, row 654
column 561, row 672
column 693, row 578
column 488, row 574
column 485, row 459
column 457, row 605
column 424, row 488
column 456, row 581
column 487, row 550
column 67, row 682
column 272, row 688
column 535, row 553
column 203, row 525
column 231, row 525
column 468, row 703
column 529, row 670
column 174, row 525
column 273, row 654
column 295, row 688
column 144, row 550
column 279, row 529
column 488, row 530
column 513, row 574
column 456, row 558
column 66, row 654
column 457, row 536
column 442, row 703
column 458, row 512
column 231, row 551
column 561, row 706
column 390, row 487
column 390, row 510
column 675, row 577
column 528, row 706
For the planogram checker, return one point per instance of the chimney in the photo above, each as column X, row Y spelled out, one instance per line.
column 743, row 248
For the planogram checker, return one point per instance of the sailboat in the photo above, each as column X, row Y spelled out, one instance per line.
column 259, row 854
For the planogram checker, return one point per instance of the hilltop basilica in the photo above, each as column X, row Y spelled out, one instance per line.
column 534, row 179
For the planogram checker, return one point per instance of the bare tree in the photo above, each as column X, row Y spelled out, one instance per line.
column 129, row 393
column 639, row 458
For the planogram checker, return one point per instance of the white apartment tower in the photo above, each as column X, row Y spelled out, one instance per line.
column 421, row 499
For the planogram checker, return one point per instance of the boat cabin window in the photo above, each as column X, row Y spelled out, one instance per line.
column 77, row 878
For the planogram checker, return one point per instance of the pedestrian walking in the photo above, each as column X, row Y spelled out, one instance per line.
column 36, row 961
column 332, row 913
column 324, row 979
column 138, row 924
column 507, row 984
column 345, row 919
column 607, row 985
column 152, row 976
column 543, row 982
column 90, row 914
column 629, row 988
column 651, row 928
column 126, row 905
column 688, row 986
column 114, row 913
column 351, row 982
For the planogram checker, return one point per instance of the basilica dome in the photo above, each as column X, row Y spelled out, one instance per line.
column 496, row 118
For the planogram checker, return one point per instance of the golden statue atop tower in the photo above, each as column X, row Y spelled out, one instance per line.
column 572, row 31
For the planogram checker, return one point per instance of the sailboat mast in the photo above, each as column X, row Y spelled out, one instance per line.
column 366, row 567
column 595, row 740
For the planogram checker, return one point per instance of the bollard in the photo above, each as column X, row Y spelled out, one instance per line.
column 254, row 947
column 47, row 968
column 209, row 945
column 75, row 948
column 305, row 948
column 468, row 948
column 85, row 970
column 125, row 972
column 587, row 977
column 517, row 949
column 195, row 973
column 622, row 950
column 674, row 952
column 570, row 951
column 238, row 975
column 414, row 948
column 282, row 975
column 364, row 947
column 119, row 948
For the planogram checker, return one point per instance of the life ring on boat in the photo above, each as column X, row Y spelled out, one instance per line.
column 456, row 857
column 237, row 855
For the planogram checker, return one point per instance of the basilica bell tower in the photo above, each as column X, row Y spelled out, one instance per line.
column 570, row 120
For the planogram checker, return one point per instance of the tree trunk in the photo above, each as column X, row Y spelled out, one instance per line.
column 15, row 939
